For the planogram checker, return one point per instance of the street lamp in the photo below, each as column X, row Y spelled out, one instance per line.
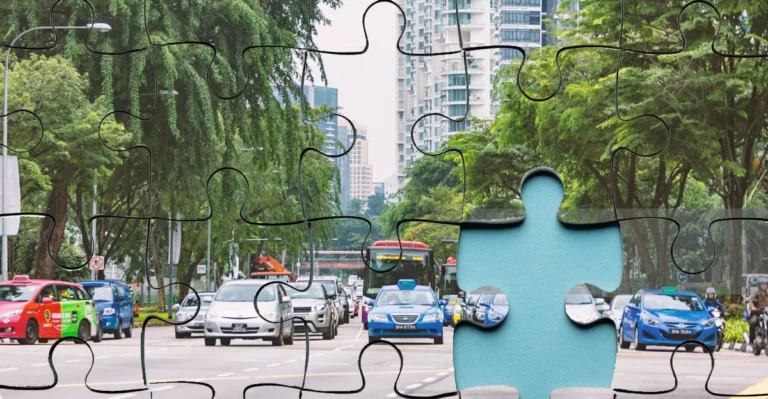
column 99, row 27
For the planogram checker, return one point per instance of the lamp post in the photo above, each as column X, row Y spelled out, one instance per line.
column 98, row 26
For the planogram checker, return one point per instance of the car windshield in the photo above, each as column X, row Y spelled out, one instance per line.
column 620, row 302
column 398, row 297
column 671, row 302
column 315, row 291
column 500, row 300
column 16, row 293
column 578, row 295
column 244, row 293
column 191, row 301
column 100, row 293
column 330, row 287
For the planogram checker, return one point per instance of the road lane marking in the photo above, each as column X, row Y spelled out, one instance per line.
column 163, row 388
column 359, row 333
column 760, row 387
column 39, row 365
column 441, row 374
column 225, row 374
column 273, row 364
column 251, row 369
column 291, row 361
column 102, row 357
column 9, row 369
column 413, row 386
column 74, row 361
column 428, row 380
column 392, row 395
column 239, row 378
column 127, row 395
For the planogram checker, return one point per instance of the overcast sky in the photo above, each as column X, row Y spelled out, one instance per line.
column 366, row 82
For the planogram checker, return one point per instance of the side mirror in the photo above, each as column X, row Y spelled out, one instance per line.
column 599, row 301
column 175, row 307
column 332, row 297
column 484, row 304
column 462, row 296
column 630, row 306
column 286, row 298
column 47, row 300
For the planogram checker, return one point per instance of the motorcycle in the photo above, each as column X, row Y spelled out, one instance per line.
column 720, row 323
column 761, row 333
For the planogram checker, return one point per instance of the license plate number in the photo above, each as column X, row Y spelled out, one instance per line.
column 405, row 327
column 681, row 332
column 239, row 327
column 197, row 325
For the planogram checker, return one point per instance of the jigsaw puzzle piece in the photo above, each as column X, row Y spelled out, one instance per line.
column 524, row 337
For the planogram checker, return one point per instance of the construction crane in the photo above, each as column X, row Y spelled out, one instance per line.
column 268, row 268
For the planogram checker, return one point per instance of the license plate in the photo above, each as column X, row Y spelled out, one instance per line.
column 197, row 325
column 239, row 327
column 681, row 332
column 405, row 327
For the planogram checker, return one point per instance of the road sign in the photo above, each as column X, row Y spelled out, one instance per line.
column 12, row 191
column 96, row 263
column 201, row 269
column 682, row 277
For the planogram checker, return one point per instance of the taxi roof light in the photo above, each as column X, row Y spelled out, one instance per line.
column 406, row 284
column 669, row 290
column 21, row 279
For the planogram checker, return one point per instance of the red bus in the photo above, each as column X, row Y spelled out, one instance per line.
column 416, row 263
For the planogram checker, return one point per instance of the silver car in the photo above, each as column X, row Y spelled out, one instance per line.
column 187, row 309
column 580, row 306
column 232, row 314
column 316, row 308
column 331, row 284
column 616, row 309
column 350, row 301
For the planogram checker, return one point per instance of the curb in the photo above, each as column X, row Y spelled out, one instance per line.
column 740, row 347
column 138, row 325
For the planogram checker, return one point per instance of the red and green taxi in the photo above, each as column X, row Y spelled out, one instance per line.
column 39, row 310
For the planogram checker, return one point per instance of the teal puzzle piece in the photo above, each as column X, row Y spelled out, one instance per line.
column 538, row 349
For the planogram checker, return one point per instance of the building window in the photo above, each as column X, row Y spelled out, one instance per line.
column 521, row 17
column 526, row 3
column 458, row 110
column 464, row 18
column 520, row 35
column 457, row 80
column 457, row 95
column 509, row 54
column 463, row 4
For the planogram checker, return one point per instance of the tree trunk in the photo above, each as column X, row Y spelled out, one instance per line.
column 44, row 268
column 157, row 264
column 734, row 227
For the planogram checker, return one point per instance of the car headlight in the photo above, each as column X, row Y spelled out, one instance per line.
column 210, row 314
column 709, row 323
column 377, row 317
column 11, row 313
column 180, row 316
column 433, row 317
column 109, row 311
column 650, row 321
column 318, row 308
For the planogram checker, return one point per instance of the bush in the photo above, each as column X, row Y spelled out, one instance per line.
column 734, row 311
column 734, row 331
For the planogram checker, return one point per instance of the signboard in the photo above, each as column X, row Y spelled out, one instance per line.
column 201, row 269
column 12, row 192
column 96, row 262
column 176, row 241
column 682, row 277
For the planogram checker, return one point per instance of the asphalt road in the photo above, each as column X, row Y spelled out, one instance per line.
column 333, row 365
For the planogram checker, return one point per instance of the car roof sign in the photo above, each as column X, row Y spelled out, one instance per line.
column 669, row 290
column 406, row 284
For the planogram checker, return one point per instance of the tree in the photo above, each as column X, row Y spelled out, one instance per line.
column 376, row 204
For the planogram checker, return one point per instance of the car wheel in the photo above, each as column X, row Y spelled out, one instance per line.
column 83, row 332
column 118, row 334
column 622, row 343
column 225, row 341
column 690, row 348
column 638, row 345
column 365, row 326
column 99, row 334
column 336, row 330
column 127, row 331
column 346, row 317
column 373, row 339
column 289, row 340
column 327, row 335
column 439, row 340
column 181, row 335
column 210, row 341
column 279, row 340
column 31, row 333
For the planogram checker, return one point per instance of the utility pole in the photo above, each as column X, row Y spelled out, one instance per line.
column 170, row 272
column 208, row 260
column 93, row 228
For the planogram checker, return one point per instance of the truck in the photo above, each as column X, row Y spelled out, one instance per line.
column 268, row 268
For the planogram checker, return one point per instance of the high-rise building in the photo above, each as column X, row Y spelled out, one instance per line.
column 360, row 170
column 335, row 139
column 438, row 84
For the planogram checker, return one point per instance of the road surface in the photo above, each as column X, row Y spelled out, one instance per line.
column 333, row 365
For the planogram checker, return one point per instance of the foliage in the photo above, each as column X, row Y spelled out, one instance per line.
column 735, row 330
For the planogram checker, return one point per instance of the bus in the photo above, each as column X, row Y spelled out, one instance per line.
column 448, row 283
column 416, row 263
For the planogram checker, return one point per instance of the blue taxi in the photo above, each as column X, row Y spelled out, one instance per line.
column 406, row 310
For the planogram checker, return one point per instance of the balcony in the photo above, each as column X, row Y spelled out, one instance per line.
column 475, row 100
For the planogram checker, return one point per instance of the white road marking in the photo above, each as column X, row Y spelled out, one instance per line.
column 442, row 374
column 9, row 369
column 164, row 388
column 39, row 365
column 127, row 395
column 273, row 364
column 74, row 360
column 102, row 357
column 162, row 349
column 225, row 374
column 329, row 364
column 428, row 380
column 359, row 333
column 450, row 369
column 251, row 369
column 291, row 361
column 413, row 386
column 392, row 395
column 126, row 354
